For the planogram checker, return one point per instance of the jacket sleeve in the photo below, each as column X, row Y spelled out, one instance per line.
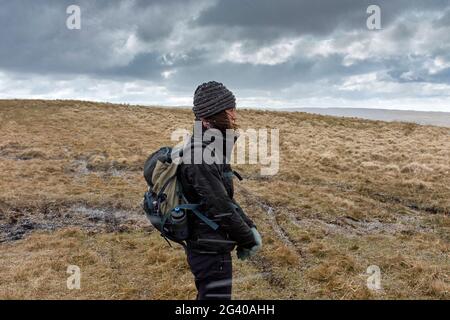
column 217, row 204
column 244, row 217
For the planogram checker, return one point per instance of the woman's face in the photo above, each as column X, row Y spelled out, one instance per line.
column 232, row 115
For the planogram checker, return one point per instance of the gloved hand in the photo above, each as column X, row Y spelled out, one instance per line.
column 244, row 253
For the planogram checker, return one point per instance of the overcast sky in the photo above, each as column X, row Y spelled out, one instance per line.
column 271, row 54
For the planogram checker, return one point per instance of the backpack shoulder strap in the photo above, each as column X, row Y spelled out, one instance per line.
column 201, row 216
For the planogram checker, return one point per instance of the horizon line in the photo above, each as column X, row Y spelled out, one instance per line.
column 288, row 109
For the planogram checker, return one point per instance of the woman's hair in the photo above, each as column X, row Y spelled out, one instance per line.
column 221, row 121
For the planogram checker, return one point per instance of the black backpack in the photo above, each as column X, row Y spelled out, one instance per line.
column 164, row 203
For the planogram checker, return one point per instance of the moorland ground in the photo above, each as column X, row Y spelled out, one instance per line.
column 350, row 193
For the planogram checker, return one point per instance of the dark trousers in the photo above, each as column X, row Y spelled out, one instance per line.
column 213, row 275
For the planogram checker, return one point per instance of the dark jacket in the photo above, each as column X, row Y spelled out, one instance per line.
column 211, row 185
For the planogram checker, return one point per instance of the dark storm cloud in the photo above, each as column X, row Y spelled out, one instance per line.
column 35, row 38
column 308, row 17
column 277, row 77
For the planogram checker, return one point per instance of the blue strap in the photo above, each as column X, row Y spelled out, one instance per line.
column 201, row 216
column 228, row 174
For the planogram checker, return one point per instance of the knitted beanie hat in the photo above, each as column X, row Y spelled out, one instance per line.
column 211, row 98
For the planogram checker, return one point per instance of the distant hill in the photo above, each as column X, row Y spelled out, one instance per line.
column 421, row 117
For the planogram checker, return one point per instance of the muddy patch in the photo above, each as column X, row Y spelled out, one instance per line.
column 404, row 223
column 14, row 151
column 78, row 168
column 16, row 223
column 268, row 273
column 407, row 224
column 103, row 166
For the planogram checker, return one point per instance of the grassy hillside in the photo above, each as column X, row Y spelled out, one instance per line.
column 349, row 194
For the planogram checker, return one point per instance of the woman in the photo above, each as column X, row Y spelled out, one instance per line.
column 211, row 185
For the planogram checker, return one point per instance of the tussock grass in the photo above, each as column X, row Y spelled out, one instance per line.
column 350, row 193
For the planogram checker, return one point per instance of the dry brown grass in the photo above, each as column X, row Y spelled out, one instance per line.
column 350, row 193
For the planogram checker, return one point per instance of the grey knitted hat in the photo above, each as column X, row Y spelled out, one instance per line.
column 212, row 97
